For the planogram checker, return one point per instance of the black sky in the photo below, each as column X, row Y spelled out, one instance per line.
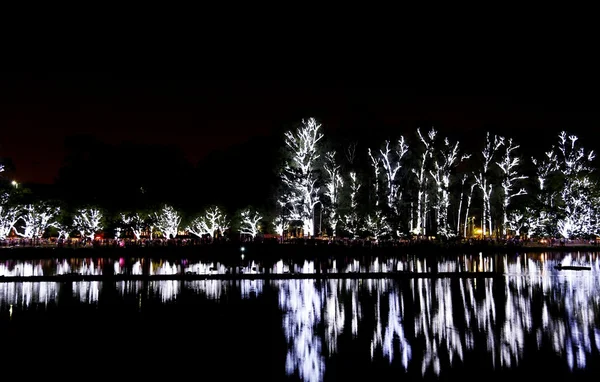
column 38, row 110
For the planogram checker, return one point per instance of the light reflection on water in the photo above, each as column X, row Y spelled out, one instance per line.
column 383, row 338
column 301, row 302
column 26, row 294
column 122, row 266
column 169, row 290
column 25, row 268
column 87, row 291
column 82, row 267
column 423, row 325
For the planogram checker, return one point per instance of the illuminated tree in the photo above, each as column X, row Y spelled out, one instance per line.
column 136, row 222
column 299, row 174
column 212, row 222
column 333, row 185
column 578, row 210
column 469, row 198
column 64, row 229
column 515, row 222
column 36, row 219
column 508, row 165
column 567, row 207
column 483, row 182
column 88, row 221
column 390, row 159
column 281, row 220
column 545, row 167
column 460, row 202
column 151, row 225
column 539, row 218
column 9, row 216
column 279, row 224
column 422, row 197
column 576, row 200
column 167, row 222
column 63, row 232
column 375, row 165
column 443, row 163
column 534, row 221
column 377, row 225
column 351, row 219
column 250, row 222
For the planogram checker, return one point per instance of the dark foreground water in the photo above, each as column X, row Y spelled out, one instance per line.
column 530, row 321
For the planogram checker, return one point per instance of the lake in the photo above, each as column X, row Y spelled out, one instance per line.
column 527, row 319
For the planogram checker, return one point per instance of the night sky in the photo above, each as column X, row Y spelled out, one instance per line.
column 38, row 110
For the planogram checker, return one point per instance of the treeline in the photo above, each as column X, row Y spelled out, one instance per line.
column 308, row 182
column 428, row 185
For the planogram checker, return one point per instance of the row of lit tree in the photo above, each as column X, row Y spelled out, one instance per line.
column 416, row 197
column 32, row 221
column 426, row 196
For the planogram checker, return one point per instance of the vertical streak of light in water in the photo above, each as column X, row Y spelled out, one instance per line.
column 394, row 329
column 302, row 304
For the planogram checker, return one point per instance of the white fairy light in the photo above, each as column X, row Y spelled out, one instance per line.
column 333, row 184
column 88, row 221
column 390, row 159
column 422, row 197
column 212, row 222
column 508, row 165
column 37, row 218
column 250, row 224
column 136, row 222
column 167, row 222
column 483, row 182
column 9, row 216
column 299, row 174
column 351, row 220
column 443, row 163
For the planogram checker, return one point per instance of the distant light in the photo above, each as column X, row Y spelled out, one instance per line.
column 242, row 249
column 242, row 256
column 14, row 183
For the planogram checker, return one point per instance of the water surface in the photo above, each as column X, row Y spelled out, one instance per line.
column 533, row 319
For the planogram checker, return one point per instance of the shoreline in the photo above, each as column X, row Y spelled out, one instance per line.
column 262, row 251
